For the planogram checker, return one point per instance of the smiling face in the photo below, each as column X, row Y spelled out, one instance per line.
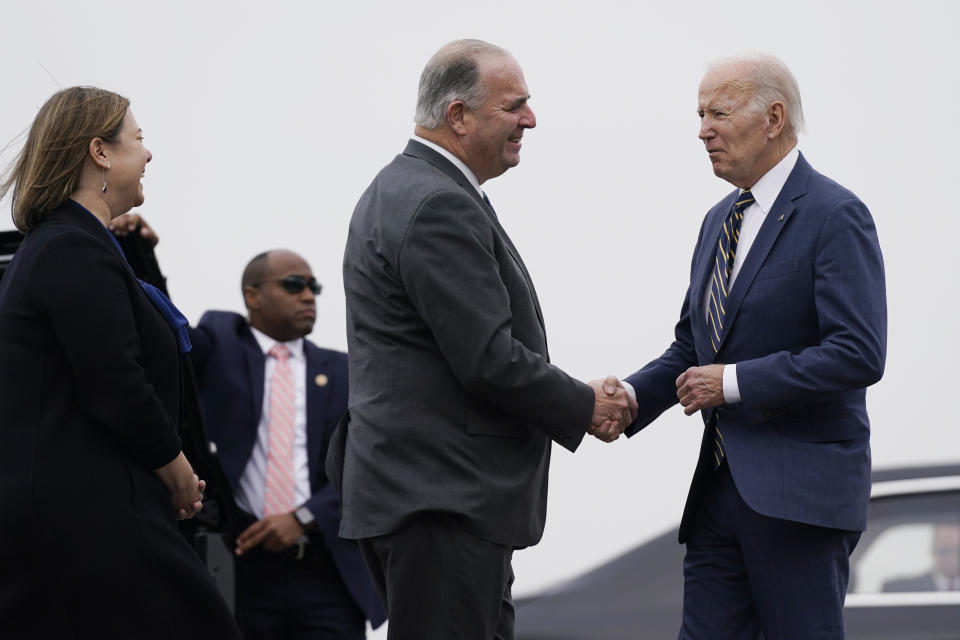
column 492, row 140
column 128, row 158
column 742, row 142
column 273, row 309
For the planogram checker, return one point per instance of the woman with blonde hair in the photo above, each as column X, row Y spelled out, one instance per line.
column 92, row 476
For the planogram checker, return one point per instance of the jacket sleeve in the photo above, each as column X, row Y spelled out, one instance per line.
column 84, row 292
column 655, row 384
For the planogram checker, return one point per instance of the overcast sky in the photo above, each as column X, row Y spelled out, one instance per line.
column 268, row 119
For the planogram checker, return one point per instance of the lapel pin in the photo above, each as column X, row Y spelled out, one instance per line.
column 321, row 380
column 780, row 219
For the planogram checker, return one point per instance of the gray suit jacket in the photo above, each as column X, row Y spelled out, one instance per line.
column 453, row 401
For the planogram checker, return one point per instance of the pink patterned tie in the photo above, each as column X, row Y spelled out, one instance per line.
column 278, row 496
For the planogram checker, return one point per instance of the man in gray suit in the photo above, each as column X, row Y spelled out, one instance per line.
column 453, row 401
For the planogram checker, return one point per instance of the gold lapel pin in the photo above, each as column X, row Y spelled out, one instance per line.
column 321, row 380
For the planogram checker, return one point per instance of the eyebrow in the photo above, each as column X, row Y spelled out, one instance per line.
column 519, row 101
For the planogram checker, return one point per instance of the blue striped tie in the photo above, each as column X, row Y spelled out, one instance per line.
column 719, row 291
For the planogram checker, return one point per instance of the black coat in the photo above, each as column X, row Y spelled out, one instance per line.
column 90, row 393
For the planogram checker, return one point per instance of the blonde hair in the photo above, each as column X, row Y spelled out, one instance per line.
column 47, row 170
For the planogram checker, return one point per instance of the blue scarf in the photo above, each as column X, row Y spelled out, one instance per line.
column 170, row 313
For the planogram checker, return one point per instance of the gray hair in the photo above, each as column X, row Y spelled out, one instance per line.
column 452, row 74
column 769, row 81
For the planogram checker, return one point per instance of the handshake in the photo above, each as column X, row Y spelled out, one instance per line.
column 613, row 409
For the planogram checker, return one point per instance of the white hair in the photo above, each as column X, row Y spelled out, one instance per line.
column 452, row 74
column 769, row 81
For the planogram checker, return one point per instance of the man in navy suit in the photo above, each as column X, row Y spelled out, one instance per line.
column 782, row 329
column 295, row 577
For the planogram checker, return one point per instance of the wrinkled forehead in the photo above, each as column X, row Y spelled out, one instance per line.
column 500, row 71
column 727, row 86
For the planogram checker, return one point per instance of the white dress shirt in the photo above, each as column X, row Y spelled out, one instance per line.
column 253, row 480
column 765, row 193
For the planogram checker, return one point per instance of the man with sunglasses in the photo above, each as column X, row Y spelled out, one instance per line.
column 271, row 400
column 294, row 576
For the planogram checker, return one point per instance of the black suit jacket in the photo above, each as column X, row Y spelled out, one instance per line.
column 90, row 391
column 230, row 367
column 452, row 399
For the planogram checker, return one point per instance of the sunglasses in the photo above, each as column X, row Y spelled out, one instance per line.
column 296, row 284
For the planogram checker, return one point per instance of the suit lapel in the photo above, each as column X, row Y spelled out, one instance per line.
column 776, row 220
column 255, row 361
column 423, row 152
column 523, row 269
column 317, row 399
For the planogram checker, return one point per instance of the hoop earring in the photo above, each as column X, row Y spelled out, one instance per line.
column 104, row 189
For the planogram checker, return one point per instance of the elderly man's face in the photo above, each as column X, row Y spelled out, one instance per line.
column 492, row 142
column 735, row 135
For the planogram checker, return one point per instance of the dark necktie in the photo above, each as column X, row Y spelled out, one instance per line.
column 489, row 206
column 719, row 292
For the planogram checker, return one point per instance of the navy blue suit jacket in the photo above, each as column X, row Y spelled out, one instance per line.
column 806, row 325
column 230, row 366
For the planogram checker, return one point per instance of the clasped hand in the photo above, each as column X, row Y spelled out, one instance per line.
column 700, row 388
column 273, row 533
column 613, row 410
column 183, row 485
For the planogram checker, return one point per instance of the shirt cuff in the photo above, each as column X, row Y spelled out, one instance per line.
column 629, row 389
column 731, row 389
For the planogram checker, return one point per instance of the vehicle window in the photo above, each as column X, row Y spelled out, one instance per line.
column 912, row 544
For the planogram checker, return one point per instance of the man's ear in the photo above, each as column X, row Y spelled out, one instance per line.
column 456, row 117
column 776, row 119
column 98, row 153
column 251, row 298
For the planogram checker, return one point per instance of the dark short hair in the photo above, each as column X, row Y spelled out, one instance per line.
column 256, row 271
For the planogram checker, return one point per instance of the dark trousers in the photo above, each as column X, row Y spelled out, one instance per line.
column 438, row 582
column 749, row 576
column 281, row 598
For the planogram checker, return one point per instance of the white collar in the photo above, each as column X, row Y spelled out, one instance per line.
column 768, row 188
column 457, row 162
column 266, row 343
